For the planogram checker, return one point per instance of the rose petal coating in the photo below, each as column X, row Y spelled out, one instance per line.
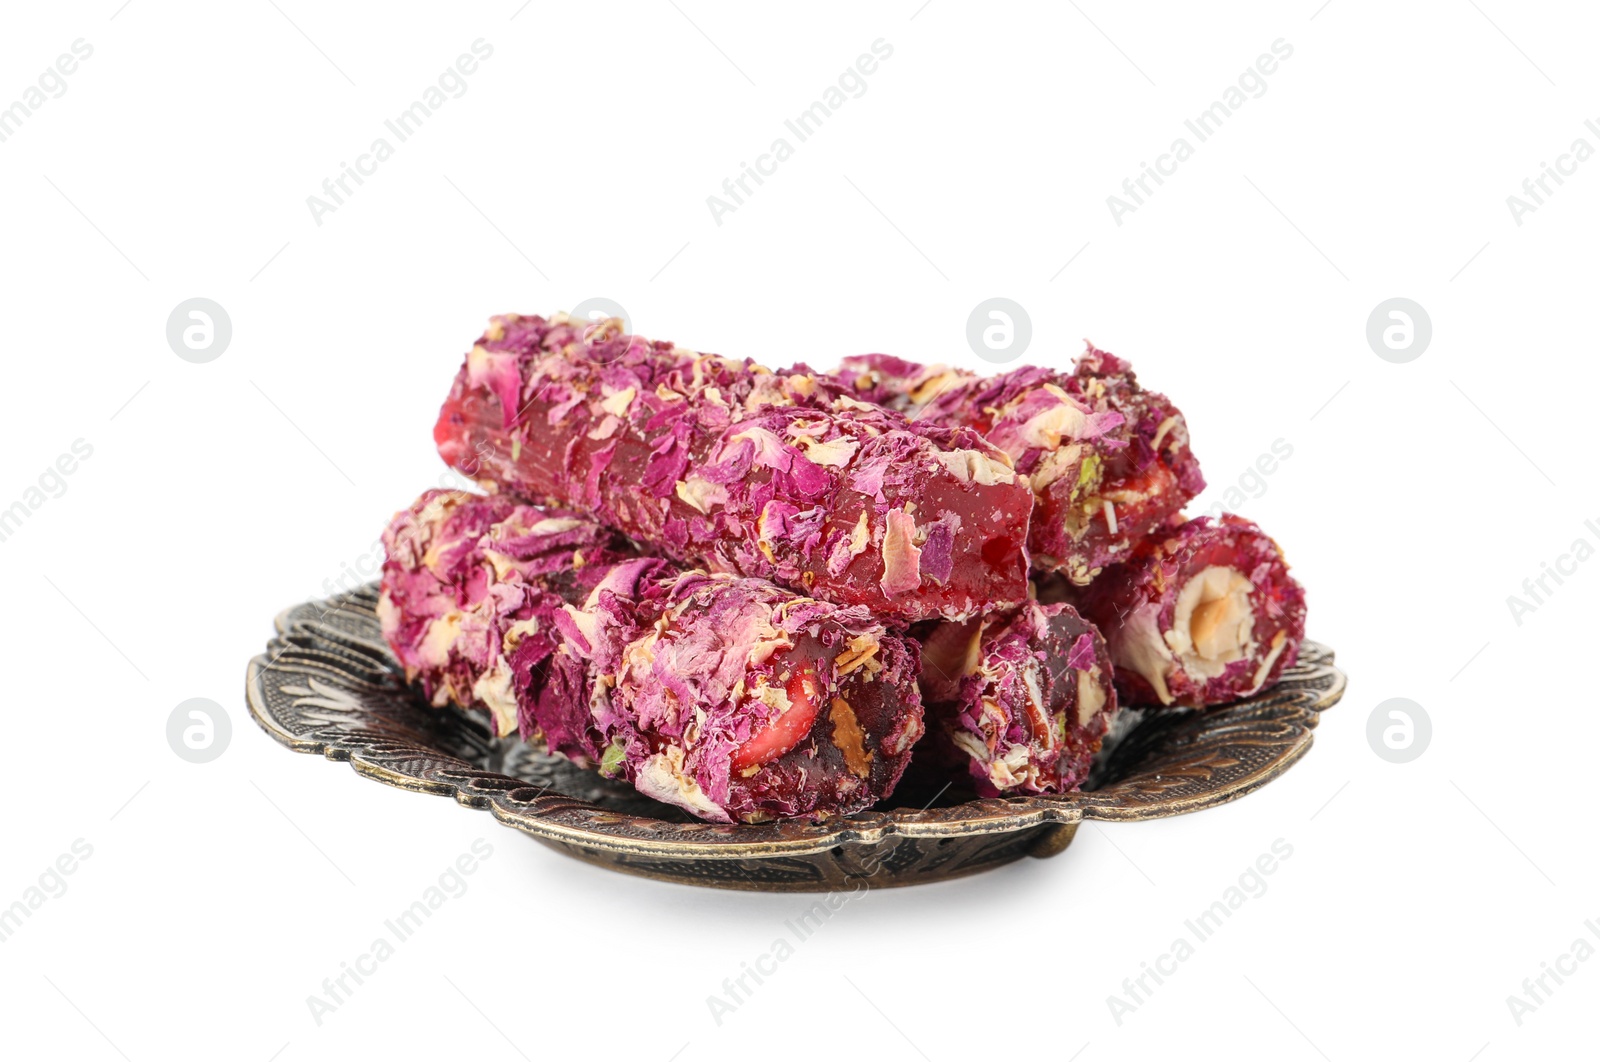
column 723, row 464
column 1017, row 700
column 729, row 697
column 1203, row 613
column 1108, row 461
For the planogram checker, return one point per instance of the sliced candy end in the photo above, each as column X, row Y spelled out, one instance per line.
column 789, row 728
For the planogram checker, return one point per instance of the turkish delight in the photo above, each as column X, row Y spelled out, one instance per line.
column 1017, row 701
column 1202, row 613
column 721, row 463
column 729, row 697
column 1108, row 461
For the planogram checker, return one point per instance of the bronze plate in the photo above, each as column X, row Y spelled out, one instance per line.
column 328, row 684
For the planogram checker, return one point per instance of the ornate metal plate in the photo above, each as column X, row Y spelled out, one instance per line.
column 328, row 684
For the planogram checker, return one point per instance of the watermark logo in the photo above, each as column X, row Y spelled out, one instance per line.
column 1399, row 330
column 1537, row 990
column 1251, row 884
column 50, row 885
column 199, row 330
column 51, row 85
column 1537, row 588
column 451, row 884
column 1399, row 730
column 1536, row 190
column 738, row 989
column 598, row 309
column 451, row 84
column 851, row 84
column 52, row 483
column 999, row 330
column 199, row 730
column 1251, row 84
column 1252, row 482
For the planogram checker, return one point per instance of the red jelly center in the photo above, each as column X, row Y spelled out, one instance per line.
column 787, row 730
column 996, row 552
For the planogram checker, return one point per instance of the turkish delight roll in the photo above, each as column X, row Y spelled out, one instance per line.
column 729, row 697
column 723, row 464
column 1107, row 460
column 1018, row 701
column 459, row 615
column 1202, row 613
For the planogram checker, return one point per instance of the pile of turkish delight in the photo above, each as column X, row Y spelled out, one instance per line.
column 759, row 594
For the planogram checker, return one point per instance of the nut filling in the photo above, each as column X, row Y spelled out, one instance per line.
column 1202, row 614
column 1213, row 624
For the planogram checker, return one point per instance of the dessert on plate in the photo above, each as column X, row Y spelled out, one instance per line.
column 760, row 595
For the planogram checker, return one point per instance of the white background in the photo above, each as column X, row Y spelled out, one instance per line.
column 577, row 164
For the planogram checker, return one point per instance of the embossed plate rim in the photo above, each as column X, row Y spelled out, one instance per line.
column 1314, row 685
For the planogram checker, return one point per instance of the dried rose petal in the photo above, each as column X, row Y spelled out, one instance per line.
column 1017, row 700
